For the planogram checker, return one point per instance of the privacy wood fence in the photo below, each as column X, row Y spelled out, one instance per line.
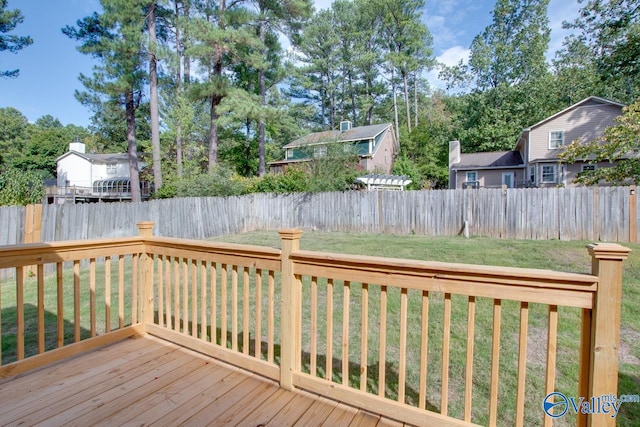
column 596, row 214
column 377, row 333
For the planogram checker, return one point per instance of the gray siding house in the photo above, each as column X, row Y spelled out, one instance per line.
column 376, row 147
column 534, row 161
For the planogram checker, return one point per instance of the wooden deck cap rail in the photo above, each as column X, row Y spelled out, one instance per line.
column 43, row 253
column 225, row 253
column 519, row 284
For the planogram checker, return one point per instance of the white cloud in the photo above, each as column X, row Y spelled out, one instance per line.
column 453, row 55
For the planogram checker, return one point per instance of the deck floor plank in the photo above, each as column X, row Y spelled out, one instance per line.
column 291, row 413
column 74, row 406
column 56, row 394
column 243, row 398
column 317, row 412
column 269, row 408
column 25, row 388
column 341, row 416
column 149, row 381
column 160, row 404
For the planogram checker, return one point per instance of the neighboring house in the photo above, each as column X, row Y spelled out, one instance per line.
column 375, row 145
column 84, row 176
column 534, row 161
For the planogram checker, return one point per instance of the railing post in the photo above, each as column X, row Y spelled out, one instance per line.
column 145, row 229
column 605, row 325
column 291, row 311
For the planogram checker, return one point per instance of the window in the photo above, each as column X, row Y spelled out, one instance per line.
column 320, row 151
column 556, row 139
column 588, row 167
column 472, row 176
column 532, row 174
column 289, row 153
column 549, row 173
column 112, row 168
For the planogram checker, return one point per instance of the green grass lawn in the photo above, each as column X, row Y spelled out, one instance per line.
column 555, row 255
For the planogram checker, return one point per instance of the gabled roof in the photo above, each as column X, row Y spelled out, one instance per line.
column 354, row 134
column 595, row 99
column 490, row 159
column 98, row 158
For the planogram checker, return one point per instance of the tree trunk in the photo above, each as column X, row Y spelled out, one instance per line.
column 415, row 100
column 407, row 101
column 263, row 103
column 216, row 98
column 153, row 98
column 132, row 149
column 178, row 77
column 213, row 133
column 395, row 106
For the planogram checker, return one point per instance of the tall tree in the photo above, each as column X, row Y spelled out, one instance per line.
column 610, row 31
column 406, row 40
column 9, row 19
column 116, row 39
column 273, row 16
column 512, row 49
column 220, row 37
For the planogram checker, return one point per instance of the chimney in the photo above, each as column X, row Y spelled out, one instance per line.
column 77, row 146
column 454, row 152
column 345, row 125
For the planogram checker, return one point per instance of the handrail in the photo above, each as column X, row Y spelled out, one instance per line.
column 542, row 286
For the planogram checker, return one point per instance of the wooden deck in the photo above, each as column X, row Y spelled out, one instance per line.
column 148, row 381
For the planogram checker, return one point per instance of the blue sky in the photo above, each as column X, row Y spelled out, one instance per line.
column 49, row 68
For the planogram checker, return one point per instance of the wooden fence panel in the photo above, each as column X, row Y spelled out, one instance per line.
column 599, row 213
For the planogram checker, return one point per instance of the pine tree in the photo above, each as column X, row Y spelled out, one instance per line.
column 9, row 20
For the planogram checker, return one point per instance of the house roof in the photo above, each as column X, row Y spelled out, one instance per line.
column 99, row 158
column 574, row 106
column 354, row 134
column 490, row 159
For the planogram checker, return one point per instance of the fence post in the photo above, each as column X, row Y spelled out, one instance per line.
column 633, row 230
column 291, row 311
column 32, row 230
column 605, row 324
column 145, row 229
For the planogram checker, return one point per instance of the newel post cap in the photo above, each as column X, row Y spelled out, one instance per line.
column 290, row 234
column 145, row 228
column 608, row 251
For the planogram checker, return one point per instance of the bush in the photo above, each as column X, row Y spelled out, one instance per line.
column 20, row 187
column 292, row 180
column 223, row 182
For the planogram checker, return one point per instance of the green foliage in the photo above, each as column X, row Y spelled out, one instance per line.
column 294, row 179
column 222, row 182
column 9, row 19
column 619, row 143
column 20, row 187
column 607, row 36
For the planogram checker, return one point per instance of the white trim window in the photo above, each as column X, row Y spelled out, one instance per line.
column 556, row 139
column 112, row 168
column 549, row 174
column 472, row 176
column 289, row 153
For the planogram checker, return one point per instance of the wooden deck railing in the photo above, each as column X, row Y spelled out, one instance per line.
column 421, row 342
